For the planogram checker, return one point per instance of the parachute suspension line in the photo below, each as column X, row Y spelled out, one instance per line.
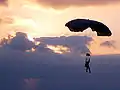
column 86, row 36
column 90, row 34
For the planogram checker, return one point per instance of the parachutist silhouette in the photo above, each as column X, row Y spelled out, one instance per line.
column 87, row 62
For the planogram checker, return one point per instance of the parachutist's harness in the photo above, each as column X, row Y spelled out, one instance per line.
column 87, row 63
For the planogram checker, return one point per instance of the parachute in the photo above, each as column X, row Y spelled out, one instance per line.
column 79, row 25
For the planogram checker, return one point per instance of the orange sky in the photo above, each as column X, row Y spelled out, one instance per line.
column 47, row 20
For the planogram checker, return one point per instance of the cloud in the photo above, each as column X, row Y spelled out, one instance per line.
column 6, row 20
column 110, row 44
column 3, row 2
column 43, row 48
column 66, row 3
column 20, row 42
column 76, row 44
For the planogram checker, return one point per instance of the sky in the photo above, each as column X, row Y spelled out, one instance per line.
column 43, row 18
column 37, row 51
column 48, row 17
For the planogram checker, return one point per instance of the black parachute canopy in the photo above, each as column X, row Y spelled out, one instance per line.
column 79, row 25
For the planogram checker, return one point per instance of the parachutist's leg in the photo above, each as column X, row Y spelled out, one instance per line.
column 86, row 69
column 89, row 69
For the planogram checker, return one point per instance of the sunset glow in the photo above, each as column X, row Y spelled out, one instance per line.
column 96, row 49
column 30, row 38
column 45, row 19
column 59, row 49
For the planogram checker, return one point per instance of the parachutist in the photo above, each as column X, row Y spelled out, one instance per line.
column 87, row 62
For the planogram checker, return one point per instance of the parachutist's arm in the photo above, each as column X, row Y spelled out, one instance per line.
column 86, row 59
column 89, row 60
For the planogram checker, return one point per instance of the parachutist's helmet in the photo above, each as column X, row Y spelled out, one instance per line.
column 87, row 54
